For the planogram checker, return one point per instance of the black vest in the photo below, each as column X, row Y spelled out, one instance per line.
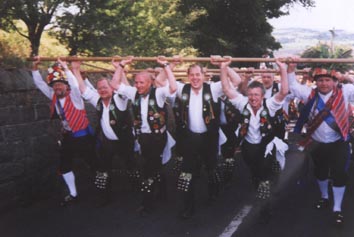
column 211, row 110
column 156, row 116
column 280, row 118
column 268, row 126
column 232, row 115
column 120, row 121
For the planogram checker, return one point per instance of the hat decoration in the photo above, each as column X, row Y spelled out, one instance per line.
column 323, row 72
column 56, row 74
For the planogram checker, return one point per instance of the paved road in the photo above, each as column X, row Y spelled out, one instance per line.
column 233, row 214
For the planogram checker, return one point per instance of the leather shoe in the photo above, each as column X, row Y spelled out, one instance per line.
column 69, row 199
column 322, row 203
column 338, row 218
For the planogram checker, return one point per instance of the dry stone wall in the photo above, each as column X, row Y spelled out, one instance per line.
column 28, row 141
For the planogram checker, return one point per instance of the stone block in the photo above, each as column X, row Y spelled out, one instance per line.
column 41, row 112
column 9, row 171
column 12, row 151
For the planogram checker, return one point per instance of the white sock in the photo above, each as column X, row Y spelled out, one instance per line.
column 338, row 193
column 323, row 188
column 70, row 182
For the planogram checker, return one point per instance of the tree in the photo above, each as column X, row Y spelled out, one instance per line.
column 140, row 27
column 322, row 50
column 35, row 14
column 235, row 27
column 92, row 27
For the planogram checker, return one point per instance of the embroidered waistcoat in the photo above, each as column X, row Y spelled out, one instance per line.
column 211, row 110
column 76, row 118
column 156, row 116
column 119, row 120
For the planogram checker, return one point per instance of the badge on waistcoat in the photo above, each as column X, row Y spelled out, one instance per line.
column 207, row 119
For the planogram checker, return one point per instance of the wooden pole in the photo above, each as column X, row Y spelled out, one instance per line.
column 203, row 59
column 184, row 72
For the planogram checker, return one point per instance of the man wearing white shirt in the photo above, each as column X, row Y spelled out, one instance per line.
column 257, row 129
column 149, row 124
column 114, row 132
column 199, row 113
column 326, row 115
column 67, row 104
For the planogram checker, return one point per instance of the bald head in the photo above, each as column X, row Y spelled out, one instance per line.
column 143, row 82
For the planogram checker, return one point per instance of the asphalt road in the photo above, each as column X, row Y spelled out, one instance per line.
column 235, row 213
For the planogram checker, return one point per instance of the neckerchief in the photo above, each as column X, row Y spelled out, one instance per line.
column 333, row 112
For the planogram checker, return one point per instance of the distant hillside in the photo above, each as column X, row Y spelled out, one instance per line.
column 296, row 40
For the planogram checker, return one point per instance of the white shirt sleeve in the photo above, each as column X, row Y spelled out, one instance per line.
column 239, row 102
column 302, row 92
column 273, row 105
column 91, row 95
column 128, row 91
column 216, row 90
column 162, row 93
column 41, row 84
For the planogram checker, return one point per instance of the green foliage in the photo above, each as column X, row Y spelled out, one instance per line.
column 235, row 27
column 149, row 27
column 322, row 50
column 119, row 27
column 35, row 14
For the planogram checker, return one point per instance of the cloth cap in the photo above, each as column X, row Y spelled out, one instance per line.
column 56, row 74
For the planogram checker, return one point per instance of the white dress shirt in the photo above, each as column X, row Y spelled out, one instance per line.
column 92, row 96
column 196, row 121
column 253, row 135
column 323, row 133
column 161, row 94
column 48, row 91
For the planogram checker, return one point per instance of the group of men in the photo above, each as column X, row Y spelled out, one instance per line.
column 135, row 118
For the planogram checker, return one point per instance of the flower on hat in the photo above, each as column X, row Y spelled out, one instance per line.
column 324, row 72
column 56, row 74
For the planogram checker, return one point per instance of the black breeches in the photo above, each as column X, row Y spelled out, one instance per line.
column 152, row 146
column 228, row 148
column 123, row 149
column 331, row 160
column 198, row 149
column 83, row 147
column 253, row 155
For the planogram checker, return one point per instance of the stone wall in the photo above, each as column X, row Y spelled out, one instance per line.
column 28, row 141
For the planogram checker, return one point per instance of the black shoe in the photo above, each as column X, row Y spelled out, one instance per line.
column 322, row 203
column 68, row 200
column 186, row 214
column 338, row 218
column 143, row 211
column 265, row 215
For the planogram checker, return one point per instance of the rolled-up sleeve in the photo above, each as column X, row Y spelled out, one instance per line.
column 41, row 84
column 239, row 102
column 91, row 96
column 300, row 91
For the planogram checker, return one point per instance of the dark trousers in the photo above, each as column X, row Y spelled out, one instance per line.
column 152, row 146
column 331, row 160
column 260, row 167
column 199, row 149
column 228, row 148
column 122, row 148
column 83, row 147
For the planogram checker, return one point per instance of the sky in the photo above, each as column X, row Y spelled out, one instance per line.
column 327, row 14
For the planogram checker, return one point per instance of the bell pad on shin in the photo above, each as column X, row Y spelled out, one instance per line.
column 101, row 180
column 184, row 181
